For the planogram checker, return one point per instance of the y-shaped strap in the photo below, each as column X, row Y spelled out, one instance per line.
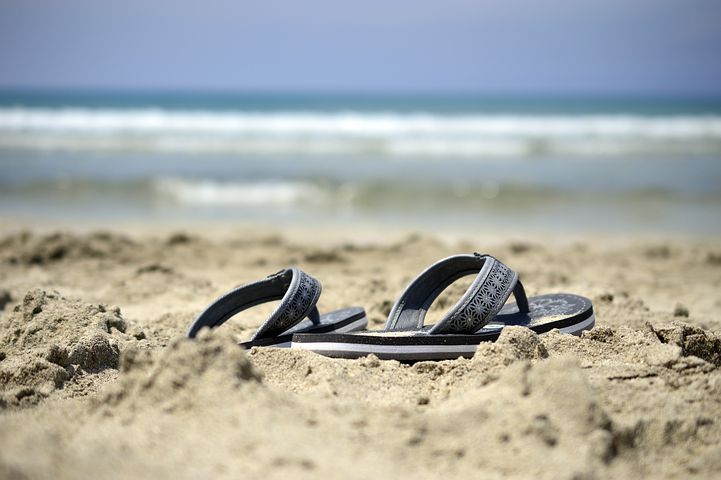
column 298, row 292
column 491, row 288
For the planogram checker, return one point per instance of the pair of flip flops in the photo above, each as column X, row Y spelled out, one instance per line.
column 479, row 315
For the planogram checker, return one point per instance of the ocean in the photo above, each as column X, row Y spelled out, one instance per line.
column 520, row 164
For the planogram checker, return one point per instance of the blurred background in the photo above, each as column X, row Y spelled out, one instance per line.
column 547, row 116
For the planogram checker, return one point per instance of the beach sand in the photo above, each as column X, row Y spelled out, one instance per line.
column 96, row 380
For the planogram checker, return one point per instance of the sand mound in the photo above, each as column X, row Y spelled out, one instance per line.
column 182, row 374
column 692, row 341
column 48, row 339
column 527, row 420
column 29, row 249
column 515, row 343
column 534, row 413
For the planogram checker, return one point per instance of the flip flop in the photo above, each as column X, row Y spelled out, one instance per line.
column 479, row 316
column 298, row 293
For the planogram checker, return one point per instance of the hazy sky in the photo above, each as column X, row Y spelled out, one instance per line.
column 552, row 46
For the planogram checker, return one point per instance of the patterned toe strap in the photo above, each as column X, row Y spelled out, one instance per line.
column 491, row 288
column 297, row 291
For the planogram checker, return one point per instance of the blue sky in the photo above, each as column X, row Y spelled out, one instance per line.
column 653, row 47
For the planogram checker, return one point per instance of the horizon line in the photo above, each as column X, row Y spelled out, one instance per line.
column 8, row 90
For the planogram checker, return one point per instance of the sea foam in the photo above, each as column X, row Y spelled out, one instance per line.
column 204, row 192
column 382, row 133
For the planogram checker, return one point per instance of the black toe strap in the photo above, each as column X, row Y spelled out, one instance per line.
column 519, row 293
column 491, row 288
column 298, row 292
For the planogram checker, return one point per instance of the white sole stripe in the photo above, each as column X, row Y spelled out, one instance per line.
column 405, row 350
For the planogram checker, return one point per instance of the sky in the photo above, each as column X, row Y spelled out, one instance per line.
column 650, row 47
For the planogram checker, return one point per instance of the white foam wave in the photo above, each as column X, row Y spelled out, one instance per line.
column 353, row 132
column 245, row 194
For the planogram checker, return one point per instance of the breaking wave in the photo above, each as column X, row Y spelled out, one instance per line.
column 247, row 194
column 348, row 133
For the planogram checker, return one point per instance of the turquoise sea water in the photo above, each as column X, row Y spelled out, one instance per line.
column 426, row 161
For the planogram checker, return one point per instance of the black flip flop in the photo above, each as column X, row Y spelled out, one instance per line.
column 479, row 315
column 298, row 293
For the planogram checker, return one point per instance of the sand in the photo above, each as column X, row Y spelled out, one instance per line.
column 96, row 380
